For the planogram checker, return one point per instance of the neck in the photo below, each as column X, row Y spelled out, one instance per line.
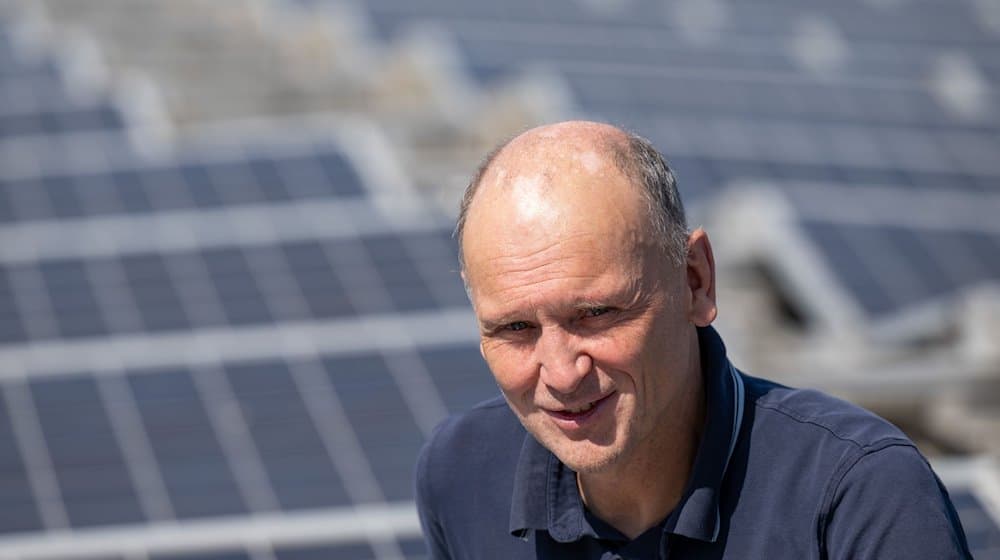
column 641, row 492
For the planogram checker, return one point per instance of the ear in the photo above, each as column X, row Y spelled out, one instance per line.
column 701, row 279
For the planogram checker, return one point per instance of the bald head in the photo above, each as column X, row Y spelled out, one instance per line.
column 559, row 158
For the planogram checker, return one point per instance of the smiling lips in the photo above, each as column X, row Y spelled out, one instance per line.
column 573, row 417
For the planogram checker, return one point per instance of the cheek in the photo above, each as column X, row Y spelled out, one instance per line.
column 511, row 368
column 621, row 352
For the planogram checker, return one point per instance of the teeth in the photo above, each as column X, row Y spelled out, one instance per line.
column 583, row 408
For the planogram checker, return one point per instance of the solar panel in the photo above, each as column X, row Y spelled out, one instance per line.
column 735, row 93
column 197, row 182
column 240, row 345
column 325, row 433
column 981, row 528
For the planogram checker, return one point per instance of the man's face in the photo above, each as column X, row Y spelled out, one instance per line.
column 583, row 322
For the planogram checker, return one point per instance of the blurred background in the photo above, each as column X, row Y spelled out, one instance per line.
column 230, row 313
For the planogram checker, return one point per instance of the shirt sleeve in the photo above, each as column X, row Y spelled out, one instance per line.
column 890, row 504
column 437, row 547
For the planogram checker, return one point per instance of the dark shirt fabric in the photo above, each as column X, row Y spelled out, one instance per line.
column 779, row 473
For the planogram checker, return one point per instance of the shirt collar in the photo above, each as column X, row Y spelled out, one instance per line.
column 545, row 495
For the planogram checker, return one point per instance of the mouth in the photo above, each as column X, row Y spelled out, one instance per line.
column 577, row 415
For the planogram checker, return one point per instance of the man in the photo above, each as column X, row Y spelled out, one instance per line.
column 624, row 432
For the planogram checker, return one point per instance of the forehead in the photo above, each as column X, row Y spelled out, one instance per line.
column 541, row 208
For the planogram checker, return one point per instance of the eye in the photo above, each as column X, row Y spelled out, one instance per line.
column 517, row 326
column 596, row 311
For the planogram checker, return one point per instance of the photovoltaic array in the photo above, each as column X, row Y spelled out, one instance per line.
column 234, row 349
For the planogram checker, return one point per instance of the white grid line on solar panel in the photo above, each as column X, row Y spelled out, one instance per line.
column 226, row 419
column 892, row 205
column 147, row 188
column 859, row 21
column 916, row 239
column 505, row 44
column 272, row 268
column 231, row 143
column 866, row 145
column 239, row 451
column 153, row 193
column 190, row 347
column 909, row 289
column 60, row 122
column 119, row 311
column 359, row 275
column 385, row 522
column 38, row 463
column 943, row 254
column 184, row 230
column 80, row 151
column 603, row 87
column 364, row 144
column 324, row 406
column 77, row 313
column 142, row 469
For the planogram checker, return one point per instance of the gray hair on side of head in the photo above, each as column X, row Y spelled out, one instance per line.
column 644, row 164
column 641, row 162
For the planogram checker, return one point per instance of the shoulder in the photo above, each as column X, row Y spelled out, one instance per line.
column 870, row 491
column 466, row 449
column 465, row 479
column 464, row 438
column 784, row 409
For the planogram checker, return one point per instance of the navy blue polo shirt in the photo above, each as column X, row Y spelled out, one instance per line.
column 779, row 473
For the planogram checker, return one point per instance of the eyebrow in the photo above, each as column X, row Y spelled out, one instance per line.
column 613, row 300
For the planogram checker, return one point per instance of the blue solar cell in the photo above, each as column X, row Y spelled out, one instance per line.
column 88, row 463
column 236, row 286
column 195, row 175
column 194, row 468
column 19, row 512
column 268, row 179
column 19, row 125
column 910, row 246
column 342, row 179
column 11, row 325
column 233, row 182
column 298, row 466
column 398, row 273
column 154, row 293
column 97, row 193
column 319, row 284
column 353, row 551
column 851, row 271
column 981, row 529
column 12, row 329
column 696, row 176
column 379, row 414
column 985, row 246
column 72, row 299
column 62, row 195
column 130, row 192
column 6, row 204
column 27, row 199
column 414, row 548
column 460, row 375
column 110, row 117
column 199, row 188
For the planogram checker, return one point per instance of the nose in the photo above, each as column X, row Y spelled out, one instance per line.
column 563, row 363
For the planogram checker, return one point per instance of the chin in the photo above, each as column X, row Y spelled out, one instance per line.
column 585, row 456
